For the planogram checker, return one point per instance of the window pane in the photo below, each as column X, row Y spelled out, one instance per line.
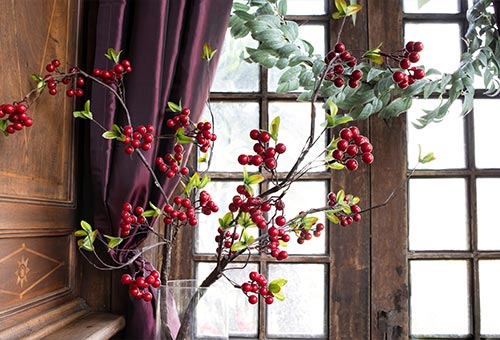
column 489, row 276
column 431, row 6
column 439, row 297
column 222, row 193
column 294, row 131
column 233, row 73
column 242, row 315
column 303, row 312
column 437, row 214
column 315, row 34
column 488, row 228
column 445, row 139
column 306, row 7
column 486, row 122
column 301, row 196
column 442, row 45
column 232, row 139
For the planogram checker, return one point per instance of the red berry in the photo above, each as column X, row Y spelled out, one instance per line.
column 342, row 144
column 352, row 150
column 253, row 299
column 254, row 134
column 270, row 163
column 337, row 154
column 367, row 158
column 338, row 69
column 50, row 68
column 366, row 147
column 280, row 148
column 409, row 46
column 346, row 134
column 269, row 300
column 280, row 220
column 414, row 57
column 418, row 46
column 147, row 296
column 265, row 137
column 338, row 82
column 356, row 75
column 351, row 164
column 405, row 64
column 126, row 279
column 418, row 73
column 339, row 48
column 353, row 83
column 243, row 159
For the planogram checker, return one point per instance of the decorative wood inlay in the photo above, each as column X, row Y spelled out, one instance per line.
column 21, row 257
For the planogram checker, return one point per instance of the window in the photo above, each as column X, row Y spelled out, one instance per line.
column 453, row 250
column 243, row 98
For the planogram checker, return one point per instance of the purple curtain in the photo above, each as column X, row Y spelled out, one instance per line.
column 163, row 40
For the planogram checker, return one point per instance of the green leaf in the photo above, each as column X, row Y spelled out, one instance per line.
column 173, row 107
column 341, row 6
column 335, row 166
column 255, row 179
column 373, row 73
column 113, row 241
column 86, row 227
column 208, row 53
column 80, row 233
column 225, row 221
column 113, row 55
column 282, row 7
column 36, row 77
column 181, row 138
column 343, row 120
column 237, row 246
column 330, row 215
column 274, row 128
column 309, row 221
column 204, row 181
column 86, row 114
column 275, row 286
column 244, row 15
column 279, row 296
column 245, row 220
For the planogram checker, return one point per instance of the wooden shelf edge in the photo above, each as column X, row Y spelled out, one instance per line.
column 71, row 320
column 93, row 326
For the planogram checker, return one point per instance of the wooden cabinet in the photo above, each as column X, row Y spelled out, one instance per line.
column 38, row 210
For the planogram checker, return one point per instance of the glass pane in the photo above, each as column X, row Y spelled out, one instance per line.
column 442, row 45
column 242, row 315
column 294, row 130
column 431, row 6
column 488, row 228
column 306, row 7
column 314, row 34
column 301, row 196
column 233, row 73
column 303, row 312
column 229, row 143
column 486, row 122
column 222, row 193
column 446, row 138
column 437, row 214
column 439, row 297
column 489, row 276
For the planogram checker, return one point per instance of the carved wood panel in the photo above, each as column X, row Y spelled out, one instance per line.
column 37, row 164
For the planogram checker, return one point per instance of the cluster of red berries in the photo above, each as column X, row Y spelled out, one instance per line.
column 171, row 163
column 17, row 116
column 352, row 145
column 181, row 212
column 142, row 138
column 72, row 79
column 179, row 120
column 203, row 136
column 275, row 237
column 207, row 205
column 344, row 218
column 306, row 235
column 225, row 240
column 130, row 217
column 257, row 286
column 411, row 55
column 115, row 74
column 255, row 206
column 138, row 287
column 265, row 154
column 337, row 60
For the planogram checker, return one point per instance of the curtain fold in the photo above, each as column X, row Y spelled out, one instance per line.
column 164, row 41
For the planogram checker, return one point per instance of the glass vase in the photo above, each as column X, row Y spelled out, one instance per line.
column 185, row 311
